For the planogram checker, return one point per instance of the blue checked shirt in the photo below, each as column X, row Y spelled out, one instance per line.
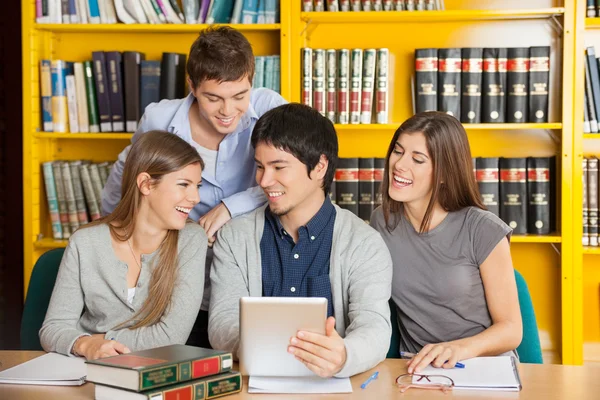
column 234, row 182
column 298, row 269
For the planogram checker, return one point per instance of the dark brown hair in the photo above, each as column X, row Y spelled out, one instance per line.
column 222, row 54
column 156, row 153
column 448, row 147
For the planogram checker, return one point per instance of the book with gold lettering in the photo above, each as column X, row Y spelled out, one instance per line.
column 200, row 389
column 162, row 366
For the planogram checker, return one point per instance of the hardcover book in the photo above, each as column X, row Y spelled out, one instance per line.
column 449, row 87
column 539, row 83
column 366, row 187
column 493, row 85
column 517, row 84
column 149, row 369
column 488, row 180
column 513, row 193
column 346, row 184
column 539, row 200
column 200, row 389
column 472, row 70
column 426, row 71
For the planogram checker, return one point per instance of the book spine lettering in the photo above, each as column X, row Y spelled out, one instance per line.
column 368, row 81
column 346, row 178
column 381, row 107
column 355, row 85
column 319, row 81
column 52, row 199
column 513, row 193
column 472, row 70
column 426, row 71
column 539, row 83
column 592, row 192
column 307, row 80
column 538, row 193
column 487, row 175
column 331, row 84
column 343, row 94
column 517, row 83
column 366, row 187
column 586, row 235
column 449, row 86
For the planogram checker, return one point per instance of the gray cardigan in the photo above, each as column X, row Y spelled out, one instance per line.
column 90, row 294
column 360, row 273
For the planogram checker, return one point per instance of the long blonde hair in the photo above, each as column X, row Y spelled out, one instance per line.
column 156, row 153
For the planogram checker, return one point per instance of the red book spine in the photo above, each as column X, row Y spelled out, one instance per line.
column 319, row 80
column 206, row 367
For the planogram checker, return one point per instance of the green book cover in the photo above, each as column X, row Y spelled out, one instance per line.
column 90, row 91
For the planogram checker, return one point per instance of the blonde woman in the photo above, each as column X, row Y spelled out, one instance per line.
column 134, row 279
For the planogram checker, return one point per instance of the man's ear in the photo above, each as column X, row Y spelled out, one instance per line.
column 143, row 182
column 321, row 168
column 190, row 84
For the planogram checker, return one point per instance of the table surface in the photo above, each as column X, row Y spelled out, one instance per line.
column 545, row 381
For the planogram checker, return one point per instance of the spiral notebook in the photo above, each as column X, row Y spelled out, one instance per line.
column 481, row 373
column 49, row 369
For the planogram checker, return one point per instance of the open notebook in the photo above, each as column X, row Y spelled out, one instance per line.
column 481, row 373
column 49, row 369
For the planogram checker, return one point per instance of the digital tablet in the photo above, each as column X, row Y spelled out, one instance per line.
column 266, row 326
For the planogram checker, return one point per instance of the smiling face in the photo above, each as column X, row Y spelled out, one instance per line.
column 411, row 170
column 222, row 104
column 172, row 198
column 285, row 182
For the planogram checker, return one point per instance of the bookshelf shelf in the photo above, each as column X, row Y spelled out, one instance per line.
column 501, row 127
column 592, row 23
column 552, row 238
column 591, row 250
column 48, row 243
column 429, row 16
column 79, row 136
column 149, row 28
column 591, row 136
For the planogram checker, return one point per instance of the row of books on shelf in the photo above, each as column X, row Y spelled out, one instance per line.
column 372, row 5
column 73, row 193
column 490, row 85
column 591, row 106
column 592, row 8
column 591, row 201
column 157, row 11
column 170, row 372
column 110, row 92
column 518, row 190
column 348, row 86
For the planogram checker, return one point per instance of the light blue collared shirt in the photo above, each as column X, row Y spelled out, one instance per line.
column 234, row 183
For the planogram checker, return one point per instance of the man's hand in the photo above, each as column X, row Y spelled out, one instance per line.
column 213, row 220
column 95, row 346
column 324, row 355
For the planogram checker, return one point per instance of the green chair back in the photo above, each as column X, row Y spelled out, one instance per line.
column 529, row 350
column 39, row 292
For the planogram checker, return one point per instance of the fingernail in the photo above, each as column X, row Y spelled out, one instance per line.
column 290, row 350
column 294, row 340
column 300, row 334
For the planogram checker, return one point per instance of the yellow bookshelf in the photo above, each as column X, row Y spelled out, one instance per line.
column 552, row 264
column 75, row 42
column 586, row 260
column 545, row 261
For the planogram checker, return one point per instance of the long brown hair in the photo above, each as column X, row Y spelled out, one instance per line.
column 156, row 153
column 454, row 184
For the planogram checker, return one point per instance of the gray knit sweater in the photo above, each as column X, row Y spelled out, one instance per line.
column 90, row 294
column 360, row 273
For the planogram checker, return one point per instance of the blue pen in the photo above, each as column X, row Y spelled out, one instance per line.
column 374, row 376
column 406, row 354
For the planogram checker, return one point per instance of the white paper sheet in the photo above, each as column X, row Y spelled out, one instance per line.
column 481, row 373
column 259, row 384
column 49, row 369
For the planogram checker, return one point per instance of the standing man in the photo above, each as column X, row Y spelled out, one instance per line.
column 217, row 118
column 301, row 245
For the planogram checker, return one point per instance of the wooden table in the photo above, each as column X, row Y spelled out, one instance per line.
column 539, row 382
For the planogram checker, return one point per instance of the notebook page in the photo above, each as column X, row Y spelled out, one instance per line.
column 49, row 369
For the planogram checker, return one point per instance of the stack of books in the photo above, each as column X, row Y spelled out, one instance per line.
column 170, row 372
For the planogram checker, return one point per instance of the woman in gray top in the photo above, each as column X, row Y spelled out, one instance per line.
column 133, row 279
column 453, row 280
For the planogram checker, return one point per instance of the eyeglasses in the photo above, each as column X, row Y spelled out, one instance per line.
column 437, row 382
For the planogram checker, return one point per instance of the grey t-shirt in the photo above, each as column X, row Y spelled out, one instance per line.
column 436, row 283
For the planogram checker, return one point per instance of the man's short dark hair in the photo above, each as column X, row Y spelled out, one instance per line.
column 303, row 132
column 222, row 54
